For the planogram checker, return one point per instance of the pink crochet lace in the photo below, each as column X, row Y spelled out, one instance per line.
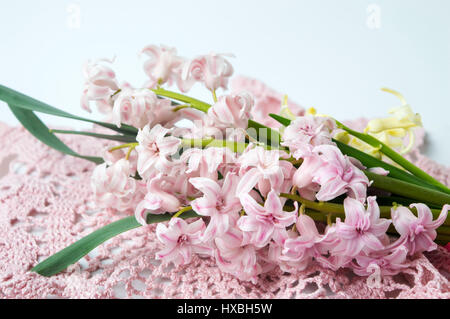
column 46, row 204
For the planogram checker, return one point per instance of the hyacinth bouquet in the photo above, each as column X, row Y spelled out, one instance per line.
column 253, row 185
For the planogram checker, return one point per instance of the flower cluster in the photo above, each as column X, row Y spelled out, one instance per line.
column 258, row 205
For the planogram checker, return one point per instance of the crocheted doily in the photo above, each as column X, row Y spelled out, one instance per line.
column 46, row 204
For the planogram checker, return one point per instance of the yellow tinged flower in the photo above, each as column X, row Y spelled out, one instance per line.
column 346, row 138
column 402, row 118
column 285, row 111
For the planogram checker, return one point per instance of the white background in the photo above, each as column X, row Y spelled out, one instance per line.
column 328, row 54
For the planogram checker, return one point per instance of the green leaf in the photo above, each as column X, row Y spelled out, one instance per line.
column 119, row 138
column 23, row 101
column 38, row 129
column 409, row 190
column 280, row 119
column 264, row 134
column 71, row 254
column 396, row 157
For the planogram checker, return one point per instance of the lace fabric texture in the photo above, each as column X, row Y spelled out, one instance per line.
column 46, row 204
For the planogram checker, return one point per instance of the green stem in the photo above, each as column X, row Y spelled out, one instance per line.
column 181, row 211
column 338, row 210
column 214, row 95
column 409, row 190
column 197, row 104
column 180, row 107
column 393, row 155
column 115, row 148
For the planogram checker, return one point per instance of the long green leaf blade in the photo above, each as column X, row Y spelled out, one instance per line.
column 396, row 157
column 264, row 134
column 409, row 190
column 39, row 130
column 119, row 138
column 71, row 254
column 23, row 101
column 280, row 119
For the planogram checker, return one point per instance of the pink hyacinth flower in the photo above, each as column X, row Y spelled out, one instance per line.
column 300, row 250
column 263, row 168
column 164, row 66
column 362, row 230
column 275, row 253
column 231, row 111
column 100, row 85
column 154, row 149
column 218, row 202
column 266, row 100
column 133, row 107
column 207, row 162
column 305, row 132
column 113, row 185
column 213, row 70
column 264, row 222
column 159, row 199
column 139, row 107
column 333, row 172
column 389, row 264
column 236, row 258
column 419, row 232
column 181, row 241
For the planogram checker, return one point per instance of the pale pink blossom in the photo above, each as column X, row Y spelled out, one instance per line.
column 264, row 222
column 305, row 132
column 363, row 230
column 300, row 250
column 263, row 168
column 154, row 149
column 418, row 232
column 209, row 161
column 266, row 100
column 139, row 107
column 332, row 174
column 379, row 171
column 159, row 199
column 389, row 264
column 235, row 258
column 164, row 66
column 181, row 240
column 275, row 253
column 133, row 107
column 100, row 85
column 231, row 111
column 219, row 202
column 213, row 70
column 113, row 185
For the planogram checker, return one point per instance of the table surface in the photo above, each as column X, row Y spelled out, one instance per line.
column 333, row 55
